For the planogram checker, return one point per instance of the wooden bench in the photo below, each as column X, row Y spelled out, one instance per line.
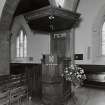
column 95, row 75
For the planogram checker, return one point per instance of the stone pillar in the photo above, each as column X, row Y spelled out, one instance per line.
column 72, row 45
column 5, row 26
column 4, row 53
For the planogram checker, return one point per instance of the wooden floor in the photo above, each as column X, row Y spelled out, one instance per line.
column 83, row 96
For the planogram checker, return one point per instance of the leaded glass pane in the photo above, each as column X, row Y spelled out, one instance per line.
column 21, row 44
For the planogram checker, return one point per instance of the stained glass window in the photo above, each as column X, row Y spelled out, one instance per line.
column 21, row 44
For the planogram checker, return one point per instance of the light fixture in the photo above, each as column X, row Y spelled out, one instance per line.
column 51, row 17
column 51, row 20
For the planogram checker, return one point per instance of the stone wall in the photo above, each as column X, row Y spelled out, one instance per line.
column 5, row 26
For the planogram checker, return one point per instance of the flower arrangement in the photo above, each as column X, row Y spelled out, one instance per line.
column 75, row 74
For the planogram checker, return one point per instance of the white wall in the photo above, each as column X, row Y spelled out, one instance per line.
column 37, row 44
column 40, row 44
column 89, row 10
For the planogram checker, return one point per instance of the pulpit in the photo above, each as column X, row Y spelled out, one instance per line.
column 56, row 22
column 55, row 89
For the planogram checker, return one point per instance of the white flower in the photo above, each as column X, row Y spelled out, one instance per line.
column 69, row 79
column 77, row 73
column 81, row 71
column 66, row 71
column 78, row 76
column 70, row 73
column 72, row 66
column 69, row 67
column 66, row 68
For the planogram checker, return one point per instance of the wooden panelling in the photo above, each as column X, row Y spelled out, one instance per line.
column 55, row 90
column 13, row 90
column 33, row 72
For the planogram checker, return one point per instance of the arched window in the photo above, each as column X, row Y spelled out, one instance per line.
column 59, row 3
column 98, row 38
column 21, row 44
column 103, row 39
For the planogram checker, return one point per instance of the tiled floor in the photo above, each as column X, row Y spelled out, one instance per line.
column 83, row 96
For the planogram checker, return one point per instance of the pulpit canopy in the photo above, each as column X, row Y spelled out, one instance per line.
column 49, row 15
column 51, row 19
